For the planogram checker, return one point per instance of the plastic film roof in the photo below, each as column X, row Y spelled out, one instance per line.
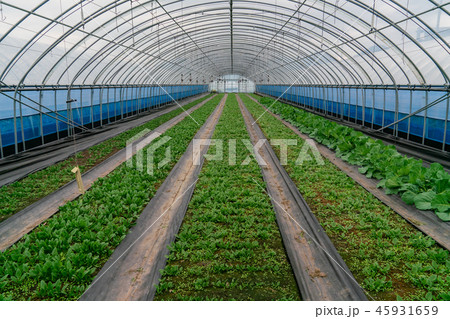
column 104, row 42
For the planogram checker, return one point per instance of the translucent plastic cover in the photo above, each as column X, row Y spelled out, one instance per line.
column 102, row 42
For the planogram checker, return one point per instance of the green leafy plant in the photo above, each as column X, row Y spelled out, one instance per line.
column 229, row 245
column 58, row 260
column 378, row 284
column 35, row 186
column 372, row 239
column 426, row 188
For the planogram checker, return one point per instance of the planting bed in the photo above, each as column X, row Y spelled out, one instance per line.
column 233, row 243
column 428, row 188
column 320, row 272
column 426, row 221
column 27, row 219
column 229, row 246
column 132, row 272
column 60, row 258
column 35, row 186
column 390, row 258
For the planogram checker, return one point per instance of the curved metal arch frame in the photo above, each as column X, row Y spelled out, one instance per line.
column 114, row 42
column 127, row 48
column 226, row 60
column 175, row 48
column 161, row 64
column 374, row 59
column 210, row 43
column 434, row 34
column 328, row 31
column 62, row 38
column 168, row 49
column 320, row 50
column 315, row 25
column 391, row 24
column 343, row 52
column 406, row 34
column 194, row 13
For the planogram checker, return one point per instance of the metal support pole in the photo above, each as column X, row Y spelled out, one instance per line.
column 444, row 140
column 1, row 143
column 316, row 98
column 363, row 96
column 91, row 103
column 384, row 107
column 136, row 99
column 158, row 97
column 152, row 97
column 396, row 112
column 16, row 146
column 81, row 107
column 21, row 123
column 410, row 111
column 133, row 98
column 425, row 119
column 115, row 104
column 69, row 114
column 331, row 101
column 41, row 125
column 356, row 106
column 349, row 104
column 373, row 108
column 107, row 101
column 124, row 102
column 139, row 100
column 121, row 102
column 56, row 112
column 101, row 106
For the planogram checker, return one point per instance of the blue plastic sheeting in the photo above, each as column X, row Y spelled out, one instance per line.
column 377, row 106
column 92, row 106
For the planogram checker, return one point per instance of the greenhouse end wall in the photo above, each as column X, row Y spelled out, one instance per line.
column 34, row 117
column 376, row 107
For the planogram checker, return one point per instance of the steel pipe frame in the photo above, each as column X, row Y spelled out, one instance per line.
column 445, row 97
column 391, row 24
column 169, row 49
column 389, row 40
column 311, row 45
column 193, row 13
column 212, row 44
column 12, row 88
column 68, row 99
column 204, row 39
column 350, row 41
column 71, row 124
column 124, row 52
column 49, row 49
column 278, row 75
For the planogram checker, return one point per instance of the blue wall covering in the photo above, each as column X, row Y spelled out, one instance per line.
column 92, row 106
column 373, row 106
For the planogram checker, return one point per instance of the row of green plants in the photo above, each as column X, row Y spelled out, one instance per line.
column 59, row 259
column 428, row 188
column 388, row 257
column 229, row 246
column 20, row 194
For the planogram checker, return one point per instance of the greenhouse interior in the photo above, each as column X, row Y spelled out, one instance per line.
column 269, row 150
